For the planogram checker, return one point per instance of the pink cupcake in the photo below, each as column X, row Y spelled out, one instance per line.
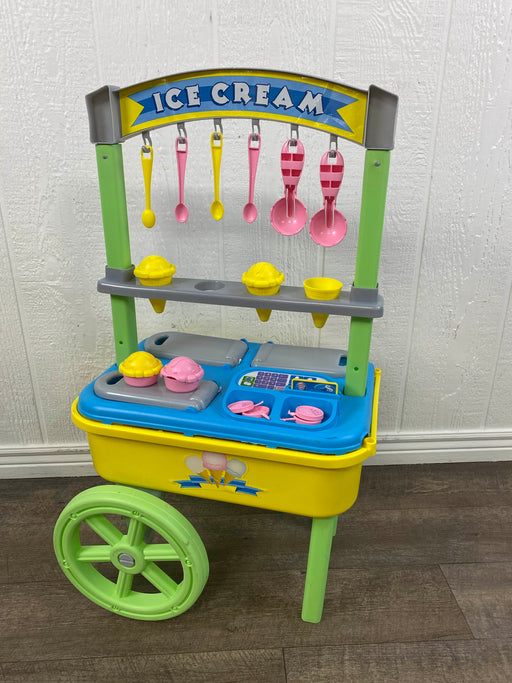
column 182, row 374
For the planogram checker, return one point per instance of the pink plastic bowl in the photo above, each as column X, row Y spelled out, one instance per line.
column 182, row 374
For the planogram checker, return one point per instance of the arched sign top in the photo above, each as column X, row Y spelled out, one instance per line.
column 365, row 117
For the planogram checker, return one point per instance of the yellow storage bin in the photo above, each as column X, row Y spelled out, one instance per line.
column 280, row 479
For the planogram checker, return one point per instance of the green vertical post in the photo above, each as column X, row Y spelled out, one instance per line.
column 117, row 242
column 322, row 532
column 373, row 204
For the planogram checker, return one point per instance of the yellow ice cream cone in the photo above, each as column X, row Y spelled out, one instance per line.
column 322, row 289
column 264, row 314
column 205, row 474
column 228, row 477
column 216, row 476
column 155, row 271
column 158, row 305
column 263, row 279
column 319, row 319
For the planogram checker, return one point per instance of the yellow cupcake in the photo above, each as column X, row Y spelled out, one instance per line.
column 263, row 279
column 154, row 271
column 140, row 369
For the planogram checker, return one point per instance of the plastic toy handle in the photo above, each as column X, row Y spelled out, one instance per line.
column 148, row 217
column 254, row 155
column 289, row 193
column 147, row 168
column 329, row 205
column 331, row 174
column 216, row 145
column 181, row 158
column 292, row 162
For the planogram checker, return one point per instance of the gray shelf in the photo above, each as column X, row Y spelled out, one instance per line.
column 354, row 301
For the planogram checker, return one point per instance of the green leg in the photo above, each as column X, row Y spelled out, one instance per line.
column 322, row 532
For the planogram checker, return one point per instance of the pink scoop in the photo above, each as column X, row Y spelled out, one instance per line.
column 289, row 215
column 182, row 374
column 329, row 226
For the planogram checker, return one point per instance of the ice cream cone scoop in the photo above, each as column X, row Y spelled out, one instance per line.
column 323, row 289
column 263, row 279
column 235, row 469
column 216, row 464
column 155, row 271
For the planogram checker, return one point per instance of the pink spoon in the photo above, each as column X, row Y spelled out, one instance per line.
column 289, row 215
column 250, row 210
column 329, row 226
column 181, row 211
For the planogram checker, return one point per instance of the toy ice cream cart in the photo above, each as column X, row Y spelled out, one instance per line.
column 269, row 425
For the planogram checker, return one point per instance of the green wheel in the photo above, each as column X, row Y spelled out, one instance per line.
column 100, row 546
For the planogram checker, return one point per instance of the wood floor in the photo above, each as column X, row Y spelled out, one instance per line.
column 419, row 590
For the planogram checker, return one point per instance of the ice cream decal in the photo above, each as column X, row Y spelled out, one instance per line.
column 216, row 464
column 215, row 467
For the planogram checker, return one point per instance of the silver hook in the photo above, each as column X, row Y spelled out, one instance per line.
column 217, row 124
column 182, row 133
column 333, row 144
column 294, row 134
column 255, row 127
column 146, row 139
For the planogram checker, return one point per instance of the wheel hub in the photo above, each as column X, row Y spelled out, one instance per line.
column 128, row 558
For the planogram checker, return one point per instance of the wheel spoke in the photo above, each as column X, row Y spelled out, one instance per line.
column 94, row 553
column 124, row 584
column 160, row 579
column 104, row 528
column 136, row 530
column 160, row 551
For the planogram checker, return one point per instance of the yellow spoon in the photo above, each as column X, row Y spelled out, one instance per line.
column 148, row 217
column 217, row 209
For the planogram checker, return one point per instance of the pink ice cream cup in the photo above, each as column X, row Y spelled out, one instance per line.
column 182, row 374
column 141, row 381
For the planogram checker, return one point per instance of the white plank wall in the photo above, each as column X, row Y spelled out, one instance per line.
column 445, row 343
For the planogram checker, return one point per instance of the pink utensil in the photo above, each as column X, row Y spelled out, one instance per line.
column 181, row 211
column 307, row 415
column 289, row 215
column 254, row 144
column 240, row 407
column 329, row 226
column 258, row 411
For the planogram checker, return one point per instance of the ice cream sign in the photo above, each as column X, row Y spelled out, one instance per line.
column 234, row 93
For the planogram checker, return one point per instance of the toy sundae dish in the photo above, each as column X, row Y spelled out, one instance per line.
column 140, row 369
column 182, row 374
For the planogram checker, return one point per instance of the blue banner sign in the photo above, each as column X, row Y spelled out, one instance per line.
column 284, row 97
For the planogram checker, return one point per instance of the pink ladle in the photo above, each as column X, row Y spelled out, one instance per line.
column 289, row 215
column 329, row 226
